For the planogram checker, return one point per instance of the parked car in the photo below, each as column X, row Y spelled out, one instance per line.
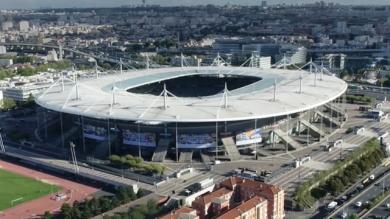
column 332, row 205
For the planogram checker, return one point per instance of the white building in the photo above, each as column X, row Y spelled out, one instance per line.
column 22, row 93
column 298, row 56
column 6, row 62
column 24, row 26
column 3, row 50
column 7, row 25
column 52, row 56
column 265, row 62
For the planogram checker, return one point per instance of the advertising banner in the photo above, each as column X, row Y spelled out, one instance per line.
column 94, row 132
column 198, row 141
column 143, row 139
column 249, row 137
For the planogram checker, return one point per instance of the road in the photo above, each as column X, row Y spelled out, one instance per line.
column 294, row 177
column 372, row 191
column 381, row 211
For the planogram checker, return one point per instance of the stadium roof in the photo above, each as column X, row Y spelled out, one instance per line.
column 107, row 96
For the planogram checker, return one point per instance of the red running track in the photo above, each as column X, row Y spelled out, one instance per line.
column 37, row 207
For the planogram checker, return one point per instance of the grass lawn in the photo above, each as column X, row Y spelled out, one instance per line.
column 20, row 188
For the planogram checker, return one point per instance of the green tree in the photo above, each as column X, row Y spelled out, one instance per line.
column 335, row 185
column 47, row 215
column 353, row 216
column 9, row 104
column 136, row 214
column 115, row 159
column 152, row 207
column 66, row 211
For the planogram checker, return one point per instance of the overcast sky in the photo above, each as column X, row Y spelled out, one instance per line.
column 12, row 4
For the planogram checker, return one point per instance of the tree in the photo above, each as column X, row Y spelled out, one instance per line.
column 47, row 215
column 66, row 211
column 335, row 185
column 152, row 207
column 136, row 214
column 115, row 159
column 9, row 104
column 353, row 216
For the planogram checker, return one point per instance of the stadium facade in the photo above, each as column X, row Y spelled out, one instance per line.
column 214, row 112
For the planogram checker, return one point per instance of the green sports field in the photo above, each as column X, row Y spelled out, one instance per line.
column 18, row 189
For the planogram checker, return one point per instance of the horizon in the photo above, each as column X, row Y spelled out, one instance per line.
column 38, row 4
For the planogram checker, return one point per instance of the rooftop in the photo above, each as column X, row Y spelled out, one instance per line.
column 107, row 96
column 181, row 213
column 242, row 208
column 232, row 181
column 207, row 198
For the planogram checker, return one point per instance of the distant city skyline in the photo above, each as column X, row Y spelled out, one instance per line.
column 26, row 4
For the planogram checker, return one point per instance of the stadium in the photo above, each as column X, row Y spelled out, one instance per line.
column 191, row 113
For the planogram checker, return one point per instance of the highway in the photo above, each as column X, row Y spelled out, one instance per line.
column 294, row 177
column 381, row 211
column 370, row 192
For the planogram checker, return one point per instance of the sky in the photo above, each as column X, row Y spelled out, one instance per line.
column 23, row 4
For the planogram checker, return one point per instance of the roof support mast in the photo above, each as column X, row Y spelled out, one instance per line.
column 165, row 93
column 113, row 94
column 225, row 94
column 62, row 82
column 300, row 83
column 147, row 61
column 275, row 90
column 96, row 69
column 181, row 60
column 121, row 66
column 77, row 89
